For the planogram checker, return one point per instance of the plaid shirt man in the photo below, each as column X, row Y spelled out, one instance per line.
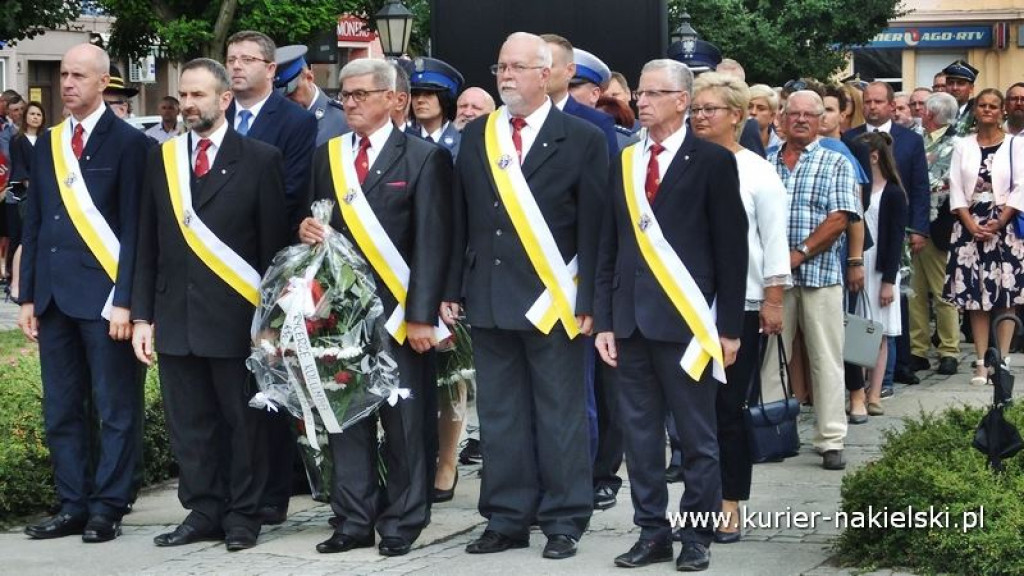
column 821, row 182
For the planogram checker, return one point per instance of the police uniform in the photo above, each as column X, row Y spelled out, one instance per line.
column 433, row 75
column 330, row 115
column 965, row 122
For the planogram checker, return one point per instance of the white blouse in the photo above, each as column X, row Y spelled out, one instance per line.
column 767, row 205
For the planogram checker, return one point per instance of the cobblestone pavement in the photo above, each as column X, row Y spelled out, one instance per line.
column 798, row 485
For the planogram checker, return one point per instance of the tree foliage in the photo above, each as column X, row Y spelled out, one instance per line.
column 779, row 40
column 20, row 19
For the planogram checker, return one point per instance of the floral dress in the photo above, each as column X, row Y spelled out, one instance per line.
column 985, row 275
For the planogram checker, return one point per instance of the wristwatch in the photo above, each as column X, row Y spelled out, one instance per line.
column 803, row 249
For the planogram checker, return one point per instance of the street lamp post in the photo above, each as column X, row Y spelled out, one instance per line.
column 685, row 34
column 394, row 24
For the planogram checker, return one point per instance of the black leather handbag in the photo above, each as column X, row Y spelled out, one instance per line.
column 771, row 427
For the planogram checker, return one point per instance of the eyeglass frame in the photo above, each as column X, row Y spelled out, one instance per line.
column 245, row 59
column 703, row 111
column 515, row 69
column 358, row 96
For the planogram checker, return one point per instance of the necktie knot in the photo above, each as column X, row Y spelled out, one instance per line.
column 244, row 119
column 77, row 140
column 204, row 144
column 656, row 149
column 364, row 143
column 518, row 124
column 202, row 160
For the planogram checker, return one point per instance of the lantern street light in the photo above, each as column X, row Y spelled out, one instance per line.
column 394, row 24
column 685, row 34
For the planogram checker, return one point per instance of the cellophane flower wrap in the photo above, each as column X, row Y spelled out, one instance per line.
column 320, row 349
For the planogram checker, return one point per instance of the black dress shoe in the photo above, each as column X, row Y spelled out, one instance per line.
column 239, row 538
column 491, row 542
column 918, row 363
column 947, row 366
column 645, row 552
column 604, row 497
column 674, row 473
column 273, row 515
column 694, row 557
column 728, row 537
column 342, row 543
column 903, row 375
column 187, row 534
column 440, row 496
column 56, row 526
column 560, row 547
column 394, row 546
column 101, row 528
column 470, row 453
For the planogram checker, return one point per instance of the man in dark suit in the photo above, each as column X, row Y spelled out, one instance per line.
column 202, row 319
column 563, row 70
column 261, row 113
column 406, row 184
column 545, row 178
column 294, row 80
column 908, row 151
column 693, row 203
column 76, row 288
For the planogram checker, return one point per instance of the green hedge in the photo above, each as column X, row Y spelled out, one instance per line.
column 931, row 463
column 26, row 477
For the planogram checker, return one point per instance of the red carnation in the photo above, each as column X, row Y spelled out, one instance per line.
column 332, row 321
column 343, row 377
column 317, row 290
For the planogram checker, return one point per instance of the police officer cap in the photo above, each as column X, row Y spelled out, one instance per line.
column 698, row 55
column 117, row 85
column 589, row 68
column 433, row 75
column 961, row 69
column 291, row 61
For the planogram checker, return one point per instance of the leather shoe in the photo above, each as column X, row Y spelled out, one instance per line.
column 239, row 538
column 889, row 391
column 56, row 526
column 947, row 366
column 722, row 537
column 903, row 375
column 342, row 543
column 645, row 552
column 491, row 542
column 273, row 515
column 101, row 528
column 857, row 418
column 440, row 495
column 673, row 474
column 833, row 460
column 560, row 547
column 394, row 546
column 604, row 497
column 918, row 363
column 694, row 557
column 187, row 534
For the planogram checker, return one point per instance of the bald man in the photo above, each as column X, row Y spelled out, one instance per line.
column 473, row 103
column 76, row 272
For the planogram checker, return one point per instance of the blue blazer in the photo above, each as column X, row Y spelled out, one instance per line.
column 56, row 264
column 292, row 130
column 598, row 118
column 908, row 151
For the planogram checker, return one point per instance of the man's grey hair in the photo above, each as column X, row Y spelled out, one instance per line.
column 810, row 94
column 943, row 108
column 543, row 50
column 383, row 72
column 679, row 74
column 901, row 94
column 216, row 69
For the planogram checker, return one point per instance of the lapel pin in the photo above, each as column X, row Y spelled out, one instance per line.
column 187, row 221
column 378, row 172
column 350, row 196
column 545, row 144
column 88, row 157
column 504, row 161
column 69, row 180
column 687, row 157
column 223, row 171
column 644, row 223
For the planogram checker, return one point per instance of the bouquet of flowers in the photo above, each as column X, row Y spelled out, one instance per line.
column 455, row 369
column 320, row 349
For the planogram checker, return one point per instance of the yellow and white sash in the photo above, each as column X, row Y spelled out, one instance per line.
column 370, row 235
column 87, row 219
column 558, row 301
column 218, row 256
column 671, row 273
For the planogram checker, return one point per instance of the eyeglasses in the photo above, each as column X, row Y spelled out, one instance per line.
column 358, row 95
column 244, row 59
column 707, row 111
column 515, row 69
column 654, row 93
column 802, row 115
column 1015, row 99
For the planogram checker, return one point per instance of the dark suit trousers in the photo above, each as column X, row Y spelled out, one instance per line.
column 651, row 383
column 217, row 439
column 734, row 453
column 355, row 494
column 282, row 458
column 533, row 432
column 79, row 358
column 609, row 429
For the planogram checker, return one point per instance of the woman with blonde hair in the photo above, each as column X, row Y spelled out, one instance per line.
column 764, row 107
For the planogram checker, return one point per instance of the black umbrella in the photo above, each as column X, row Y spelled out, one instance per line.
column 995, row 437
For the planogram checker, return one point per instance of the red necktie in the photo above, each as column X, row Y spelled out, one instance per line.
column 76, row 140
column 517, row 137
column 653, row 173
column 202, row 161
column 363, row 160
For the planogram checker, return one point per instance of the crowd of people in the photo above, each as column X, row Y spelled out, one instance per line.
column 586, row 231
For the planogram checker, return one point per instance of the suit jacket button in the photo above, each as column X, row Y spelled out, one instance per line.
column 497, row 261
column 497, row 204
column 56, row 216
column 498, row 232
column 53, row 249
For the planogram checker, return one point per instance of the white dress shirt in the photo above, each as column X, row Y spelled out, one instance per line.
column 671, row 144
column 88, row 123
column 533, row 123
column 377, row 140
column 255, row 110
column 216, row 139
column 887, row 127
column 435, row 136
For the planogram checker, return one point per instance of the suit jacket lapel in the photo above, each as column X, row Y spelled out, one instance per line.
column 546, row 143
column 261, row 123
column 386, row 160
column 99, row 134
column 676, row 169
column 223, row 168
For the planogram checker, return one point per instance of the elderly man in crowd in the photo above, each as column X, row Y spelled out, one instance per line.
column 472, row 103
